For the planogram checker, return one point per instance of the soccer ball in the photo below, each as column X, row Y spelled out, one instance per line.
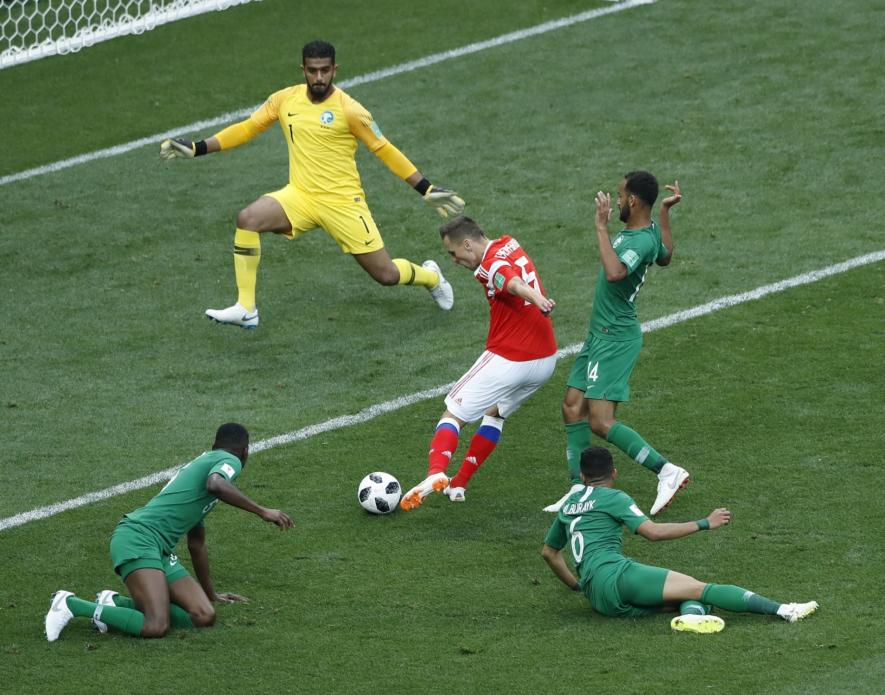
column 379, row 493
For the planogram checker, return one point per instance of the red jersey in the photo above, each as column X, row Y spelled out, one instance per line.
column 518, row 331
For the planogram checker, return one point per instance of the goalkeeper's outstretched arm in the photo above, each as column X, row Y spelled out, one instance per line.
column 173, row 148
column 443, row 200
column 232, row 136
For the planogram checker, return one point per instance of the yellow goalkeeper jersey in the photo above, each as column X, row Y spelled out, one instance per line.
column 322, row 139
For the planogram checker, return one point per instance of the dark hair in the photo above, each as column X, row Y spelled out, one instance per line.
column 318, row 49
column 596, row 463
column 231, row 434
column 460, row 228
column 643, row 185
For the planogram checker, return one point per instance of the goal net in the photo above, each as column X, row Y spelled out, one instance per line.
column 32, row 29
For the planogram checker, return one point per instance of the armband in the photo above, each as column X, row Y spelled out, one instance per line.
column 703, row 524
column 422, row 186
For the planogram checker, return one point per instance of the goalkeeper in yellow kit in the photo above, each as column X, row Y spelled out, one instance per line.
column 322, row 126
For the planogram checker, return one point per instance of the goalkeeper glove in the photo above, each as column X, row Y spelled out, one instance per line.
column 445, row 201
column 172, row 148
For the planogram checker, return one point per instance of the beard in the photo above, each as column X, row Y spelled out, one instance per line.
column 319, row 91
column 624, row 213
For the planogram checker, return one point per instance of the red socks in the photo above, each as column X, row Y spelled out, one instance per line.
column 443, row 445
column 481, row 446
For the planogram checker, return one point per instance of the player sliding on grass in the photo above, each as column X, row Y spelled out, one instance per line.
column 143, row 546
column 322, row 126
column 519, row 358
column 590, row 523
column 600, row 377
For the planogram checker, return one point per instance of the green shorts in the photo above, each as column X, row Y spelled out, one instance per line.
column 133, row 549
column 602, row 369
column 626, row 588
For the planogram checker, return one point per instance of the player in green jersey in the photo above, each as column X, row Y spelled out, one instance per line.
column 600, row 376
column 590, row 521
column 162, row 592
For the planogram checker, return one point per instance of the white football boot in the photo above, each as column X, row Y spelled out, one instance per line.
column 701, row 624
column 557, row 505
column 58, row 616
column 794, row 612
column 671, row 480
column 103, row 598
column 415, row 497
column 455, row 494
column 235, row 315
column 443, row 293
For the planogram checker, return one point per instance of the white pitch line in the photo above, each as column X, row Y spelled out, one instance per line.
column 379, row 409
column 400, row 69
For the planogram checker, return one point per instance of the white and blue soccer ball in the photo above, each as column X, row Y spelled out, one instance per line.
column 379, row 493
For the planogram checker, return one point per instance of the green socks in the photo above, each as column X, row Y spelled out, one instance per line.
column 738, row 600
column 121, row 601
column 635, row 447
column 577, row 438
column 126, row 620
column 123, row 616
column 178, row 617
column 693, row 608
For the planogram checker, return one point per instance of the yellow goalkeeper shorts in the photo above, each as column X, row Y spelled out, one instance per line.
column 349, row 223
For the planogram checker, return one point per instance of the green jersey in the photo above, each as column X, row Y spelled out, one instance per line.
column 183, row 503
column 614, row 305
column 590, row 522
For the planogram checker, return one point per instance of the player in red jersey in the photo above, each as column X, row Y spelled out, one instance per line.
column 519, row 357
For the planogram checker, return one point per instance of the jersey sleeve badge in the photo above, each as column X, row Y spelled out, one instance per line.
column 228, row 471
column 630, row 259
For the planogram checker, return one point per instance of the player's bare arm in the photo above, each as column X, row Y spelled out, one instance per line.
column 517, row 287
column 614, row 269
column 196, row 546
column 557, row 564
column 230, row 494
column 671, row 531
column 666, row 237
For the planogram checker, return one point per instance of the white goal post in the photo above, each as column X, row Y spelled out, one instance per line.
column 32, row 29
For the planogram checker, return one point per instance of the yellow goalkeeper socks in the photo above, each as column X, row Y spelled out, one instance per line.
column 247, row 256
column 412, row 274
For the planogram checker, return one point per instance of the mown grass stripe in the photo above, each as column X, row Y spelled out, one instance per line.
column 368, row 78
column 379, row 409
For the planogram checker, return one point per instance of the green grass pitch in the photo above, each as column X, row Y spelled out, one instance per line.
column 769, row 114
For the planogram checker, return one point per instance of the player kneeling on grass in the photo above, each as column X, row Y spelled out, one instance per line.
column 163, row 594
column 590, row 523
column 519, row 358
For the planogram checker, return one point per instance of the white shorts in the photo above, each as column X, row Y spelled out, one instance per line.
column 494, row 380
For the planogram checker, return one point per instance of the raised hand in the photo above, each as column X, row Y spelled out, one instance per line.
column 603, row 209
column 674, row 198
